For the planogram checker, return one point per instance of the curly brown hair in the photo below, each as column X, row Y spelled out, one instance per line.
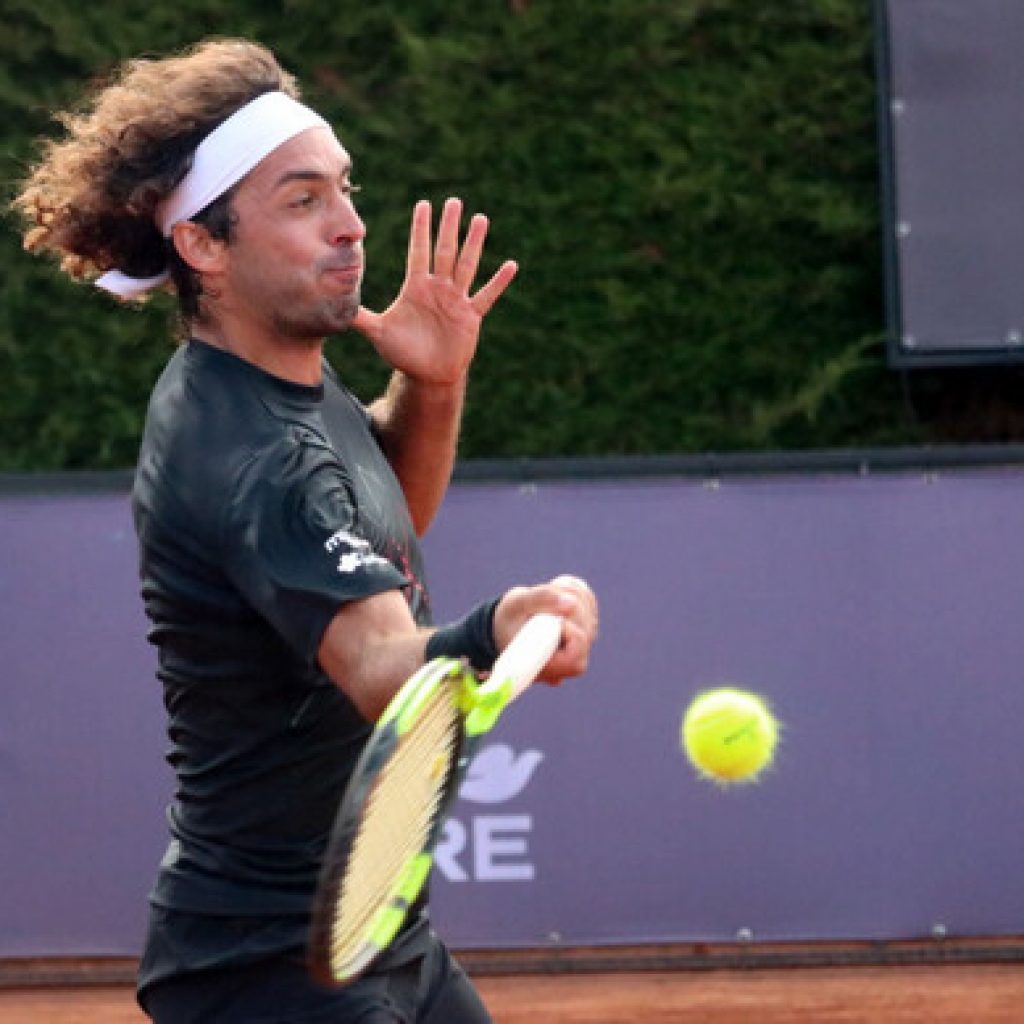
column 92, row 198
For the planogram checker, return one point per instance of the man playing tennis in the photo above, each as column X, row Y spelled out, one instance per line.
column 277, row 517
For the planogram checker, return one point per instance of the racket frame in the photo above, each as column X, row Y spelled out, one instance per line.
column 393, row 725
column 478, row 706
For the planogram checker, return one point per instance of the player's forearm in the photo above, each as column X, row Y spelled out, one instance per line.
column 384, row 666
column 418, row 426
column 370, row 648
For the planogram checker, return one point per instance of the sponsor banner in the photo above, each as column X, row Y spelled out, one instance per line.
column 879, row 615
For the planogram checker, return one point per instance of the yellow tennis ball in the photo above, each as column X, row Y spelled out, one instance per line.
column 729, row 735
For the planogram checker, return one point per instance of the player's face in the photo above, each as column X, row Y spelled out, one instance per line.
column 295, row 262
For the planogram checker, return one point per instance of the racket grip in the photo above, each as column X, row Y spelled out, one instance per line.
column 530, row 649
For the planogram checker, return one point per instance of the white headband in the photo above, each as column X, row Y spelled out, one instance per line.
column 222, row 159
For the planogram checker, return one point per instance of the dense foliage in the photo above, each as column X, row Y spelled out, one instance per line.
column 690, row 186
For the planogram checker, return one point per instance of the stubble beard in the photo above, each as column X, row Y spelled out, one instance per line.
column 312, row 325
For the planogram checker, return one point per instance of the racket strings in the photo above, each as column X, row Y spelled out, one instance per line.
column 400, row 812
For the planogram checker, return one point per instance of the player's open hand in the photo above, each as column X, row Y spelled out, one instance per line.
column 430, row 331
column 566, row 596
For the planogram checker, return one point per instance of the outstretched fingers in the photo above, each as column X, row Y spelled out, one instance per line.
column 489, row 294
column 447, row 250
column 418, row 261
column 469, row 257
column 448, row 259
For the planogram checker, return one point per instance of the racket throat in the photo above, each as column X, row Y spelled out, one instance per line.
column 483, row 707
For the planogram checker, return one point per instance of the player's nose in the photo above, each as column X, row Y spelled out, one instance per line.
column 346, row 225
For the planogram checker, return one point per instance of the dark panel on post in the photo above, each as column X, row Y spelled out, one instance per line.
column 951, row 105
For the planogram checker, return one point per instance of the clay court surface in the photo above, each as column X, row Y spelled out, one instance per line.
column 949, row 994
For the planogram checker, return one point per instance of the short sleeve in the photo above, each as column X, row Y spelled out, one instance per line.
column 293, row 542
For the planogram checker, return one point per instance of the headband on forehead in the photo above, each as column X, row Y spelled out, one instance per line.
column 222, row 159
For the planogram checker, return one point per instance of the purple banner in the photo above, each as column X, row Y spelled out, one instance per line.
column 82, row 778
column 879, row 614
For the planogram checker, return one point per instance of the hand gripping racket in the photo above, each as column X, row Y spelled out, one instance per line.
column 381, row 847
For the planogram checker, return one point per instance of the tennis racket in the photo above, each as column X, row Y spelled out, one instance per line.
column 381, row 846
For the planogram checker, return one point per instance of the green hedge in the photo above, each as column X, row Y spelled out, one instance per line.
column 690, row 187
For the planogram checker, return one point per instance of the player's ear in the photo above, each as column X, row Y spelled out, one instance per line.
column 198, row 248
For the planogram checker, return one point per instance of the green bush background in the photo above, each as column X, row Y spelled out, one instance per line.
column 691, row 188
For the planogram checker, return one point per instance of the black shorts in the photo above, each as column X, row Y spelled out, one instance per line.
column 431, row 989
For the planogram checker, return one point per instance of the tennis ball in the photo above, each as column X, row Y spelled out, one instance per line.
column 729, row 735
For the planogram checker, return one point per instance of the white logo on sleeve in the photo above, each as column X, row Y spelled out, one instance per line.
column 491, row 847
column 357, row 553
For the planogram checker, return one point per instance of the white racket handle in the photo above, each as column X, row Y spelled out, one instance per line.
column 530, row 650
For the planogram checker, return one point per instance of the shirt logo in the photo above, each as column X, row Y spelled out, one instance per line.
column 356, row 553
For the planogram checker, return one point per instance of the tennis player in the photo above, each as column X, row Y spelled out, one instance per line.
column 278, row 518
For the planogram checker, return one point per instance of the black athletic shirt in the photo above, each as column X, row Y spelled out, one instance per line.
column 261, row 507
